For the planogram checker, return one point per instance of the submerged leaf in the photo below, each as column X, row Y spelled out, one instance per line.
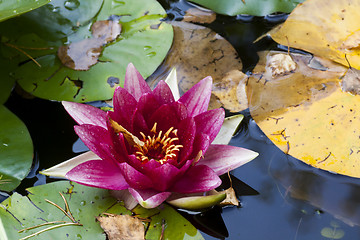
column 196, row 15
column 306, row 113
column 329, row 29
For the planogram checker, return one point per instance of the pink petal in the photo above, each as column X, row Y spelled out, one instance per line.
column 201, row 143
column 149, row 198
column 165, row 117
column 98, row 140
column 124, row 107
column 224, row 158
column 126, row 197
column 135, row 83
column 210, row 122
column 197, row 98
column 135, row 178
column 162, row 176
column 139, row 125
column 98, row 173
column 147, row 105
column 163, row 93
column 186, row 133
column 118, row 142
column 85, row 114
column 197, row 179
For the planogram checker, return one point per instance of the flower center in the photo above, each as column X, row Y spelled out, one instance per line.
column 160, row 147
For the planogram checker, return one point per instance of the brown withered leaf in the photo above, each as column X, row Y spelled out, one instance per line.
column 231, row 92
column 196, row 15
column 107, row 30
column 84, row 54
column 122, row 227
column 351, row 81
column 81, row 55
column 230, row 199
column 198, row 52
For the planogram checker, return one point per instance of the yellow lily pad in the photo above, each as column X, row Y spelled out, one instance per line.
column 306, row 113
column 329, row 29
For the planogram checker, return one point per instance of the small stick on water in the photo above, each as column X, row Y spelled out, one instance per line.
column 25, row 53
column 50, row 228
column 40, row 225
column 67, row 208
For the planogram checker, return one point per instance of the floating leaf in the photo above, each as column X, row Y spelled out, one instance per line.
column 198, row 52
column 306, row 113
column 250, row 7
column 16, row 150
column 84, row 203
column 63, row 24
column 6, row 82
column 329, row 29
column 9, row 9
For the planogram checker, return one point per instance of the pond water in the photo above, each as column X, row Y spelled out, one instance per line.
column 295, row 201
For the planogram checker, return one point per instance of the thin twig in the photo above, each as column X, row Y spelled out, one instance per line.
column 40, row 225
column 67, row 208
column 50, row 228
column 22, row 51
column 59, row 208
column 162, row 230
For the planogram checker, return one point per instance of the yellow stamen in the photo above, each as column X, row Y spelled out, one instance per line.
column 158, row 145
column 153, row 128
column 130, row 138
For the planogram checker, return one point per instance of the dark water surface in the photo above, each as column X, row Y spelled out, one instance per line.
column 295, row 201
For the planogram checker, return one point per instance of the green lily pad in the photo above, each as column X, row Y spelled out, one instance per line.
column 16, row 150
column 9, row 9
column 6, row 82
column 175, row 226
column 85, row 204
column 144, row 41
column 250, row 7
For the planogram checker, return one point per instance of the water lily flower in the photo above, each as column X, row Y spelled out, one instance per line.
column 152, row 144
